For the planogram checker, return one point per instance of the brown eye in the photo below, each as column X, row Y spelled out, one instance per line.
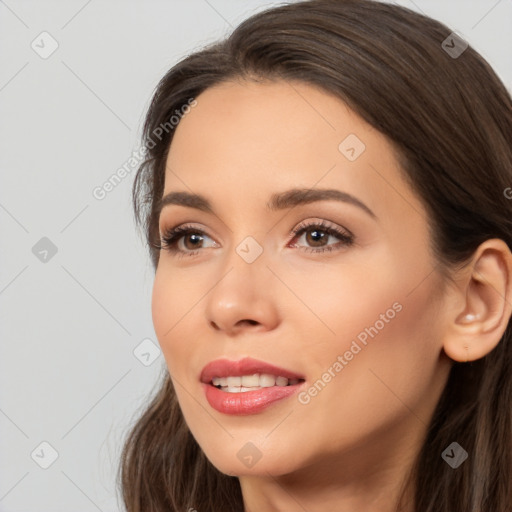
column 192, row 237
column 316, row 235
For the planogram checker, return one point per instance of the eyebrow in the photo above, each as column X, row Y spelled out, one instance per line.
column 278, row 201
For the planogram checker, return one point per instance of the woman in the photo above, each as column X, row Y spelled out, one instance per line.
column 325, row 201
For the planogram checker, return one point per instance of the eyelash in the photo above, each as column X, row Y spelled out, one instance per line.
column 171, row 237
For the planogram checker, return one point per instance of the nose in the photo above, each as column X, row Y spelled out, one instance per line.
column 243, row 299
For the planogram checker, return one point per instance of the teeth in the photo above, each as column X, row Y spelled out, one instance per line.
column 267, row 380
column 281, row 381
column 251, row 382
column 240, row 389
column 234, row 382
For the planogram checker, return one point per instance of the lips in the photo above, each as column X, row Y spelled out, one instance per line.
column 246, row 402
column 246, row 366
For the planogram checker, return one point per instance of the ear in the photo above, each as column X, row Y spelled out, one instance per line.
column 480, row 309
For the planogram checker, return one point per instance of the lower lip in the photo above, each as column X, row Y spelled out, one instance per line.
column 247, row 402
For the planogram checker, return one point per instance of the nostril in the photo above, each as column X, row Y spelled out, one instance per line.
column 250, row 322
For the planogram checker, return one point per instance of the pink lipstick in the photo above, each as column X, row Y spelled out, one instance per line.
column 247, row 386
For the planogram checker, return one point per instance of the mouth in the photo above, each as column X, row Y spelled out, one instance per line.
column 247, row 373
column 244, row 383
column 247, row 386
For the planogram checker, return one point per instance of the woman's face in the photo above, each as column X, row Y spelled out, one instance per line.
column 348, row 307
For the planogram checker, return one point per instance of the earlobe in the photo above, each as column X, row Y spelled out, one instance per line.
column 485, row 292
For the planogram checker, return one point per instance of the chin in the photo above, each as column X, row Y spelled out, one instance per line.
column 250, row 460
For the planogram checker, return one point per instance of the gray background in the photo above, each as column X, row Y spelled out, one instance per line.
column 70, row 321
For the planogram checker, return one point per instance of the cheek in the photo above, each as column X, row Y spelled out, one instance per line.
column 171, row 300
column 339, row 304
column 384, row 358
column 409, row 355
column 381, row 323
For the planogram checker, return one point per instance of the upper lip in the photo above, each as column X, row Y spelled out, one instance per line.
column 245, row 366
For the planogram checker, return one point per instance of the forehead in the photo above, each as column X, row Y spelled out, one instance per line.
column 258, row 138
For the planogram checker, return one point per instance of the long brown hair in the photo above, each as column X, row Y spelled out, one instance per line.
column 450, row 119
